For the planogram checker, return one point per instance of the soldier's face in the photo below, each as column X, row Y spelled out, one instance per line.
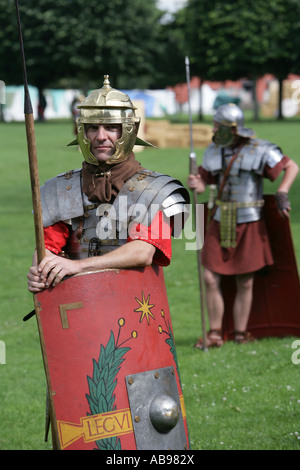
column 223, row 135
column 103, row 139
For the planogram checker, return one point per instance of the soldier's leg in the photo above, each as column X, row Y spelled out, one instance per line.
column 215, row 308
column 242, row 305
column 214, row 299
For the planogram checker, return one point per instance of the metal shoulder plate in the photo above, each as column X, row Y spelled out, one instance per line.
column 147, row 192
column 212, row 159
column 258, row 153
column 253, row 157
column 61, row 198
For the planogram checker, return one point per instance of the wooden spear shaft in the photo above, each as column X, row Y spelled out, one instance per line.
column 32, row 154
column 35, row 185
column 193, row 171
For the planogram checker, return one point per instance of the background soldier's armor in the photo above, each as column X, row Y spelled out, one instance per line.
column 244, row 183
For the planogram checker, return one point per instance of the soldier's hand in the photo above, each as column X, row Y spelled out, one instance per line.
column 34, row 282
column 52, row 269
column 283, row 203
column 193, row 181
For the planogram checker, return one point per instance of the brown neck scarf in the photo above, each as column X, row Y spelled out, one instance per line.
column 103, row 182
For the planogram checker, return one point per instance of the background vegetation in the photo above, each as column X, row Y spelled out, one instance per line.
column 69, row 43
column 236, row 397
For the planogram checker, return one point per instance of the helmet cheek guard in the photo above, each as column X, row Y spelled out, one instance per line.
column 109, row 106
column 85, row 144
column 125, row 143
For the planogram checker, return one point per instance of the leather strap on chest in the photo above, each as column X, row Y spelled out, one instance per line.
column 220, row 191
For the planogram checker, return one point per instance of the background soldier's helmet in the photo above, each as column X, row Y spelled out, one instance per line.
column 228, row 116
column 107, row 105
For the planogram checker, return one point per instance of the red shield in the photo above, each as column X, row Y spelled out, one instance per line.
column 276, row 296
column 99, row 332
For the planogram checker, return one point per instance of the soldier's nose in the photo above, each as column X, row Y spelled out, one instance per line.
column 102, row 134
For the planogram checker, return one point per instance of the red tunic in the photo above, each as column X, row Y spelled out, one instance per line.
column 252, row 251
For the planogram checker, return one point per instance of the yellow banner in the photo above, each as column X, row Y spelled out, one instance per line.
column 95, row 427
column 101, row 426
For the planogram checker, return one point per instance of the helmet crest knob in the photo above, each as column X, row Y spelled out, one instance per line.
column 106, row 83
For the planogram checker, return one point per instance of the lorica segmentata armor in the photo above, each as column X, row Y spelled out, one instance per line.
column 244, row 183
column 96, row 228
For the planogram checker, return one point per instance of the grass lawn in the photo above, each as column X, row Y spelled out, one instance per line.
column 236, row 397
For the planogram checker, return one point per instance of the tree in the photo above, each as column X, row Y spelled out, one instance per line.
column 284, row 50
column 81, row 40
column 169, row 63
column 232, row 40
column 118, row 37
column 46, row 44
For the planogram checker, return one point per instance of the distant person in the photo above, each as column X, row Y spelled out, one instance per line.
column 236, row 241
column 42, row 104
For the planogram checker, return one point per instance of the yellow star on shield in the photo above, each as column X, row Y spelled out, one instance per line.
column 145, row 308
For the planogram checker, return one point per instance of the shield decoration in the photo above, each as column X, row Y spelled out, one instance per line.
column 276, row 293
column 104, row 335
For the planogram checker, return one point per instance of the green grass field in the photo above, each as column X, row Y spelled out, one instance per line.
column 236, row 397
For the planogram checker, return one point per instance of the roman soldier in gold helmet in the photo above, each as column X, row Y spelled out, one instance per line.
column 109, row 215
column 109, row 106
column 90, row 212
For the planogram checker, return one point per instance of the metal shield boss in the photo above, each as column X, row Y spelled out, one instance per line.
column 110, row 362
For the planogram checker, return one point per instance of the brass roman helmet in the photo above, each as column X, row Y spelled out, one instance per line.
column 107, row 105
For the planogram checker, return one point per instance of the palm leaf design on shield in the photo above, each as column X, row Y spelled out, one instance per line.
column 170, row 338
column 103, row 383
column 170, row 341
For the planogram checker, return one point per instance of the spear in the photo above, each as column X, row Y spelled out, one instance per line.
column 32, row 154
column 194, row 171
column 35, row 184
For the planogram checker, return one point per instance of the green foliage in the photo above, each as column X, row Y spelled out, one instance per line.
column 236, row 397
column 239, row 39
column 73, row 38
column 73, row 43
